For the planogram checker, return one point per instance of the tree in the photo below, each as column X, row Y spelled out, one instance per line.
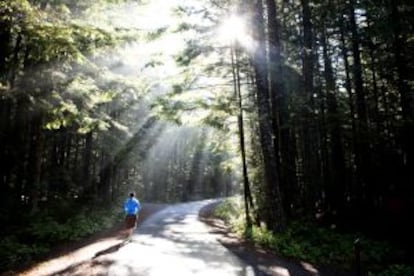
column 274, row 212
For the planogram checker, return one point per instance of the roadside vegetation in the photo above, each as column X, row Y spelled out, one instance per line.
column 307, row 241
column 42, row 233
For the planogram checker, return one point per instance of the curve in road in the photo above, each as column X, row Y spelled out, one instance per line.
column 175, row 242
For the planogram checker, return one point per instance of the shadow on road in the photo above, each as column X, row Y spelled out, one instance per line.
column 111, row 249
column 96, row 267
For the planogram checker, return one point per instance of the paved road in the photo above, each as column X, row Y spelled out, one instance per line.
column 175, row 242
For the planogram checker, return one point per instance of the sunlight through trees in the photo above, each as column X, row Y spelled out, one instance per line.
column 306, row 107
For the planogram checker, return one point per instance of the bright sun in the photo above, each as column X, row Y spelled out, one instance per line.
column 234, row 29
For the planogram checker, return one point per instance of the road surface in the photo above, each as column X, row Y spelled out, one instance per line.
column 174, row 242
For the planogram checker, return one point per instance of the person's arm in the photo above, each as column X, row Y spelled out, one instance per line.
column 138, row 205
column 126, row 206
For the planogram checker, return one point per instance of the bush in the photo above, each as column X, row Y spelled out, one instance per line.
column 13, row 252
column 306, row 241
column 229, row 210
column 44, row 231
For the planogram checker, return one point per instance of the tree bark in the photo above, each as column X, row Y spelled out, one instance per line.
column 336, row 185
column 362, row 144
column 307, row 132
column 248, row 200
column 36, row 154
column 275, row 216
column 5, row 37
column 348, row 88
column 406, row 93
column 284, row 146
column 87, row 159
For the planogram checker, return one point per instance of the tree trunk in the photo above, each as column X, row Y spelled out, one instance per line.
column 248, row 200
column 275, row 215
column 362, row 144
column 348, row 87
column 87, row 158
column 336, row 185
column 307, row 51
column 308, row 137
column 36, row 152
column 406, row 93
column 194, row 175
column 15, row 63
column 5, row 37
column 280, row 115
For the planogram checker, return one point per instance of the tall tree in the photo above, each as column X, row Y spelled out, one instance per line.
column 336, row 182
column 404, row 89
column 279, row 105
column 362, row 141
column 248, row 200
column 308, row 129
column 275, row 217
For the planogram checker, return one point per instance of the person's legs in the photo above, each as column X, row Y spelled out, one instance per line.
column 130, row 224
column 129, row 221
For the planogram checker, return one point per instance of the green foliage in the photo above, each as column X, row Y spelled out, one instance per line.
column 82, row 95
column 215, row 120
column 306, row 241
column 46, row 229
column 189, row 54
column 44, row 232
column 167, row 109
column 49, row 38
column 13, row 252
column 156, row 34
column 228, row 210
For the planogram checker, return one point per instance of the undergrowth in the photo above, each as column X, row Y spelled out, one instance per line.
column 308, row 242
column 43, row 231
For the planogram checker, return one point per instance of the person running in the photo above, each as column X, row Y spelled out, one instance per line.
column 132, row 208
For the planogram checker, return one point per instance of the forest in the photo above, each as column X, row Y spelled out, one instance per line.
column 305, row 108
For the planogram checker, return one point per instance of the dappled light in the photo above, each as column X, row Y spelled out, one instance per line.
column 177, row 240
column 182, row 244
